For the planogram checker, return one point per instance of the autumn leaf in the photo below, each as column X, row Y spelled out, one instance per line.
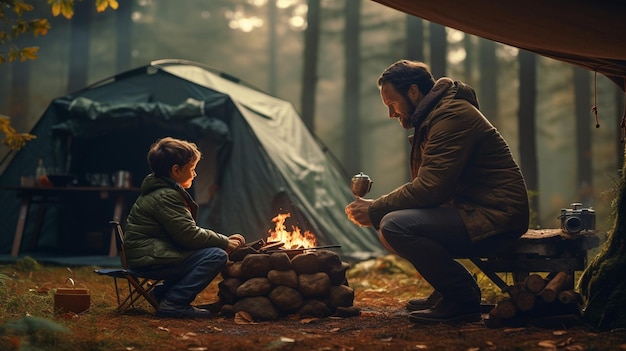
column 67, row 10
column 56, row 9
column 40, row 26
column 20, row 7
column 243, row 317
column 101, row 5
column 29, row 53
column 62, row 7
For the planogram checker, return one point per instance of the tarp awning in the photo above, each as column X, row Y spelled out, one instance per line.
column 589, row 34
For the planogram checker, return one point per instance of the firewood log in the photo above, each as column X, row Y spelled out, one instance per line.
column 569, row 296
column 534, row 283
column 524, row 300
column 553, row 287
column 504, row 309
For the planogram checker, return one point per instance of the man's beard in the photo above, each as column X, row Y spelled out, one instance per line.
column 407, row 123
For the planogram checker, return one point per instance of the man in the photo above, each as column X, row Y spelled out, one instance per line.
column 466, row 193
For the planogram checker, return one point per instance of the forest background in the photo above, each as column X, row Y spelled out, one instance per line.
column 324, row 56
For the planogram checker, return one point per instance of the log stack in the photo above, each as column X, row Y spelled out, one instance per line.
column 537, row 299
column 268, row 286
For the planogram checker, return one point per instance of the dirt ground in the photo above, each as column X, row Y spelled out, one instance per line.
column 381, row 291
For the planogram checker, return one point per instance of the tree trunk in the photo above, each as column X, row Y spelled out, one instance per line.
column 352, row 147
column 488, row 86
column 526, row 125
column 438, row 50
column 79, row 46
column 124, row 30
column 621, row 113
column 414, row 38
column 272, row 47
column 311, row 48
column 582, row 96
column 602, row 283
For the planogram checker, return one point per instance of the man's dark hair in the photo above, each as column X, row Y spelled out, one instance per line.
column 404, row 73
column 167, row 152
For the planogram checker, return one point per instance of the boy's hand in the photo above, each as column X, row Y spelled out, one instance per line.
column 235, row 241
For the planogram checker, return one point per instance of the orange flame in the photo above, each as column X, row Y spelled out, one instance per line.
column 292, row 239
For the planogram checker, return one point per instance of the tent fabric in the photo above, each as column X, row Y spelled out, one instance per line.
column 259, row 159
column 584, row 33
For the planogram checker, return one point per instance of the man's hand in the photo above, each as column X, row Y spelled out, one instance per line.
column 358, row 213
column 235, row 241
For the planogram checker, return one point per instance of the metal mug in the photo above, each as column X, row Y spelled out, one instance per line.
column 361, row 184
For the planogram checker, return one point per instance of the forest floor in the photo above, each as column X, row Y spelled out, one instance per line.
column 382, row 288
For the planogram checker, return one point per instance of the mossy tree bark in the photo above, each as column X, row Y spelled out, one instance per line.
column 602, row 284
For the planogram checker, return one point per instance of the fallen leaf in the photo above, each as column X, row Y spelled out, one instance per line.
column 334, row 330
column 513, row 330
column 559, row 332
column 243, row 317
column 280, row 343
column 163, row 329
column 421, row 347
column 388, row 339
column 197, row 348
column 548, row 344
column 473, row 349
column 576, row 347
column 308, row 320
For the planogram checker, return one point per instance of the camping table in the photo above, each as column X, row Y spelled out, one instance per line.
column 45, row 194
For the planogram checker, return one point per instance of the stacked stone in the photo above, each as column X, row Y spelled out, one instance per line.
column 269, row 286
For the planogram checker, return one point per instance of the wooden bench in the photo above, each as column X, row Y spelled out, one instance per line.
column 543, row 250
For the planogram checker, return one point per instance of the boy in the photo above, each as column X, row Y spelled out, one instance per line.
column 162, row 240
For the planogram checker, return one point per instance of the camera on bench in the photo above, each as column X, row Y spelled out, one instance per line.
column 577, row 219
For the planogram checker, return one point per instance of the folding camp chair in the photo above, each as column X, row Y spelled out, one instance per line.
column 138, row 285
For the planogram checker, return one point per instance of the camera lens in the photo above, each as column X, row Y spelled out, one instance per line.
column 573, row 225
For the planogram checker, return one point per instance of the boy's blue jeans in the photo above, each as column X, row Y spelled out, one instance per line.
column 183, row 282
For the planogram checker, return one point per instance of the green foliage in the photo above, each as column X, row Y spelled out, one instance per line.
column 33, row 333
column 27, row 264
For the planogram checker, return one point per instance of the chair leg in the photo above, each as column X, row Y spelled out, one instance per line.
column 137, row 289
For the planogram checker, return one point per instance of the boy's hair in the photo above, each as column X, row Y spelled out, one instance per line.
column 167, row 152
column 404, row 73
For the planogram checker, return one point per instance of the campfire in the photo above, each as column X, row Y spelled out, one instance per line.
column 290, row 239
column 285, row 275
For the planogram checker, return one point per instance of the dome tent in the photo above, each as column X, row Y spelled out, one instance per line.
column 259, row 158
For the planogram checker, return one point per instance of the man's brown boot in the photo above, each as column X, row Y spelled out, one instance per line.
column 425, row 303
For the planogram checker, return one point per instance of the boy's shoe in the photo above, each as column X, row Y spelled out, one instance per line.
column 169, row 310
column 425, row 303
column 446, row 312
